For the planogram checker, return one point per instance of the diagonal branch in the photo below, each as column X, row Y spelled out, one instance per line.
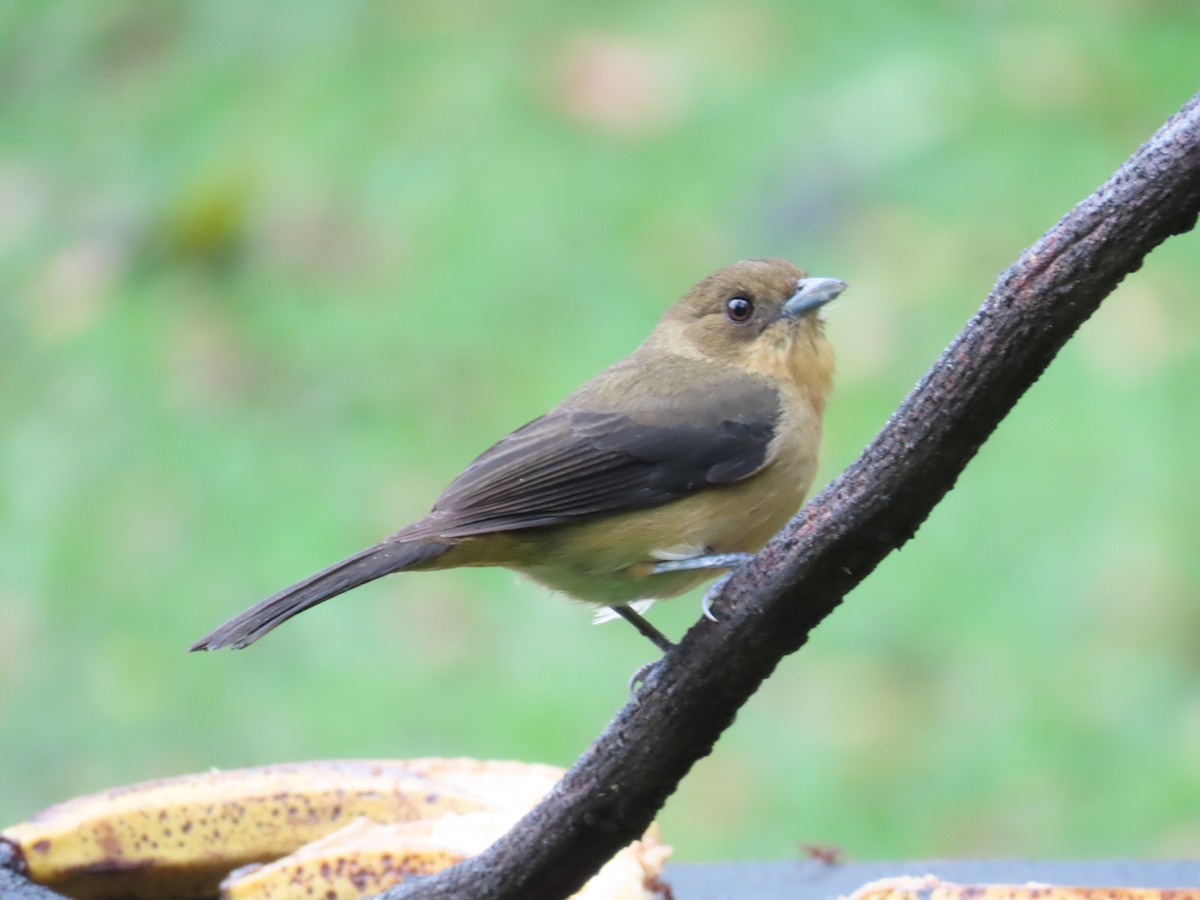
column 768, row 609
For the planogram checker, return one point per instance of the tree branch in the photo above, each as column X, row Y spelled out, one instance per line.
column 768, row 609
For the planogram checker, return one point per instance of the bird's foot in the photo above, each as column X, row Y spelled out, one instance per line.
column 641, row 677
column 691, row 563
column 711, row 594
column 709, row 561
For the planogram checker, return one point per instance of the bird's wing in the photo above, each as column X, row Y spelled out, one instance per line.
column 576, row 462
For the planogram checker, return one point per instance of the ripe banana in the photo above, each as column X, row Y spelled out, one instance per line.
column 178, row 837
column 366, row 858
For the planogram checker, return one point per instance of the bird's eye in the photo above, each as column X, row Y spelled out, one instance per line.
column 738, row 309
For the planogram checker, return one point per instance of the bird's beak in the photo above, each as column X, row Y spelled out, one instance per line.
column 812, row 293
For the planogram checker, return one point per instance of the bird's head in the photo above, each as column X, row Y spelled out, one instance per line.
column 761, row 315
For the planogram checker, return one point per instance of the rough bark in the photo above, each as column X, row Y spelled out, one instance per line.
column 768, row 609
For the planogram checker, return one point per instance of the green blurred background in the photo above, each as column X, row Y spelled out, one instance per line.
column 270, row 275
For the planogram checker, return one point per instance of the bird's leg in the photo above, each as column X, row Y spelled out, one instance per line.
column 660, row 640
column 709, row 561
column 635, row 619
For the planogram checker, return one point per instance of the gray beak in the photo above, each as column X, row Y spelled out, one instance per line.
column 812, row 293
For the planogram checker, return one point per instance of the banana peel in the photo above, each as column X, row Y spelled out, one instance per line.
column 366, row 858
column 179, row 838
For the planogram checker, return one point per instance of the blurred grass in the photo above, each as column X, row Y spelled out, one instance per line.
column 270, row 277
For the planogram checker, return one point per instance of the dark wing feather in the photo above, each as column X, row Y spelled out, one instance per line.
column 575, row 462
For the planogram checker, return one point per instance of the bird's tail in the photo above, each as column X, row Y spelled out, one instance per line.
column 389, row 556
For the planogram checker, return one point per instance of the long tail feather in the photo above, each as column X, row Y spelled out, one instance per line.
column 248, row 626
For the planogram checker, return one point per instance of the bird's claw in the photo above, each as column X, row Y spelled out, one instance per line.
column 640, row 677
column 711, row 594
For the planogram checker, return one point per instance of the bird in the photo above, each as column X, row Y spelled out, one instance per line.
column 676, row 463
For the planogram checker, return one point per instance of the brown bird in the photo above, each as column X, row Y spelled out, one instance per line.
column 677, row 462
